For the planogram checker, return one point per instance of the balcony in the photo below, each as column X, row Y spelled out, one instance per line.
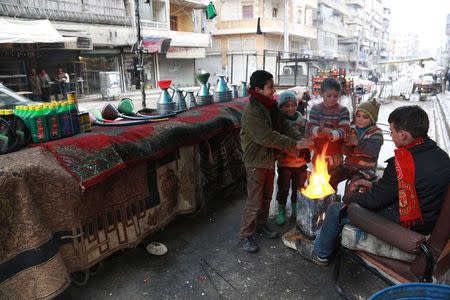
column 155, row 25
column 113, row 13
column 359, row 3
column 340, row 6
column 268, row 25
column 191, row 3
column 310, row 3
column 189, row 39
column 333, row 25
column 342, row 55
column 354, row 19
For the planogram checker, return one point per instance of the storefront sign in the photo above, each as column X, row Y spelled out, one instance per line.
column 71, row 43
column 185, row 52
column 155, row 44
column 78, row 43
column 84, row 43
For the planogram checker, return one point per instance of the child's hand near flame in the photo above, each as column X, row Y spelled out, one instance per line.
column 304, row 144
column 323, row 132
column 351, row 139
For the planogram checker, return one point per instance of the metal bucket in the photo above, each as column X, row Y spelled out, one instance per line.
column 310, row 214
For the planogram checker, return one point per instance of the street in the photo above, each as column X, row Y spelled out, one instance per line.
column 204, row 259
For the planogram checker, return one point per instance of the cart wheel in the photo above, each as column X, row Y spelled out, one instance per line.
column 80, row 278
column 95, row 268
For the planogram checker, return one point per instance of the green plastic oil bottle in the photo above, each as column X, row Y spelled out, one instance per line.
column 14, row 119
column 4, row 133
column 51, row 117
column 74, row 117
column 38, row 125
column 25, row 116
column 65, row 122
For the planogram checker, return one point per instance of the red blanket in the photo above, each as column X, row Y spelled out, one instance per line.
column 93, row 156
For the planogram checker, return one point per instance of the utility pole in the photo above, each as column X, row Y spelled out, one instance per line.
column 286, row 33
column 140, row 52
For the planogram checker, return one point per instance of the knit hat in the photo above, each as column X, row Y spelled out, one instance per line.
column 371, row 108
column 287, row 96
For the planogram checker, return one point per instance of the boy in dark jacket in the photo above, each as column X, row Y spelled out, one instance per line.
column 410, row 192
column 263, row 133
column 362, row 146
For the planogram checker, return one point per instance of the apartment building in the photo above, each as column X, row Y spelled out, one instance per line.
column 101, row 36
column 367, row 44
column 235, row 43
column 350, row 34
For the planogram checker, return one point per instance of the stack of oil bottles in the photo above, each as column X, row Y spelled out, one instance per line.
column 50, row 121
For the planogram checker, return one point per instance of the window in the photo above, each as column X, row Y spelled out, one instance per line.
column 247, row 11
column 299, row 16
column 274, row 12
column 173, row 23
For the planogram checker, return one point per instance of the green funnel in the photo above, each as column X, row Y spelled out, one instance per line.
column 126, row 106
column 203, row 78
column 96, row 113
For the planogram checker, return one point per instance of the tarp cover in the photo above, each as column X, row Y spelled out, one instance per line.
column 25, row 32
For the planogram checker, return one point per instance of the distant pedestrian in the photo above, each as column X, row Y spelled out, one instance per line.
column 448, row 81
column 35, row 86
column 62, row 78
column 303, row 103
column 45, row 85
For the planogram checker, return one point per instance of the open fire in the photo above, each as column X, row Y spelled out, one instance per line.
column 318, row 183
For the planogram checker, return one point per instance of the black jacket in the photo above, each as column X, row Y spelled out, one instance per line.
column 432, row 178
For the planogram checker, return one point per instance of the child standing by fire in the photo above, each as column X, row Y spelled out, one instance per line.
column 362, row 146
column 328, row 123
column 291, row 169
column 264, row 133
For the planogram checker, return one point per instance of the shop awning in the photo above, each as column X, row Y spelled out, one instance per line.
column 155, row 44
column 26, row 32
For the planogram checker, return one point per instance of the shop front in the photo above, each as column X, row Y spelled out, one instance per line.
column 97, row 61
column 20, row 42
column 131, row 73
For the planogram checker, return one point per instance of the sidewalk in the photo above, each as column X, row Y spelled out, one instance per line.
column 442, row 120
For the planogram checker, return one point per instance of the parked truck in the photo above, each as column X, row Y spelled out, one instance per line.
column 296, row 74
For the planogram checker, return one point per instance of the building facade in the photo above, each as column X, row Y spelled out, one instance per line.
column 237, row 50
column 100, row 36
column 351, row 34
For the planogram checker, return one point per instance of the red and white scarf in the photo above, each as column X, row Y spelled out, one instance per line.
column 408, row 202
column 265, row 101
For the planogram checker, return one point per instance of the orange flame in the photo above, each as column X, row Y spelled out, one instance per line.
column 318, row 185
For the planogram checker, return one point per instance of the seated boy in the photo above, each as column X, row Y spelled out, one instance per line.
column 418, row 172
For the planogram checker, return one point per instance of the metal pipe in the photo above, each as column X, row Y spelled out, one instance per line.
column 285, row 32
column 231, row 71
column 246, row 68
column 140, row 53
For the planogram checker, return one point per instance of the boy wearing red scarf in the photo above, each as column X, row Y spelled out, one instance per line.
column 410, row 192
column 264, row 132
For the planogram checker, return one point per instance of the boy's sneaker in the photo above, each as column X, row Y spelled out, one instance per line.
column 268, row 233
column 306, row 249
column 249, row 245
